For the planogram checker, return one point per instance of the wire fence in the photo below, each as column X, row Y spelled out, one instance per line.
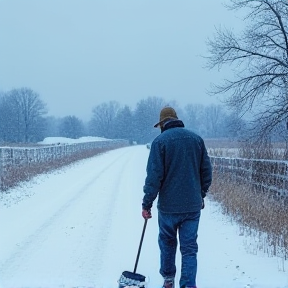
column 264, row 175
column 17, row 159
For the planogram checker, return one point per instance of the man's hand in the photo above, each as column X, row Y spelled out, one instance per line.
column 203, row 204
column 146, row 214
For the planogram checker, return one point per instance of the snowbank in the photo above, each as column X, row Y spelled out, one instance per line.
column 64, row 140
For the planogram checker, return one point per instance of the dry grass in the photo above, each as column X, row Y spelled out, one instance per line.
column 265, row 150
column 261, row 216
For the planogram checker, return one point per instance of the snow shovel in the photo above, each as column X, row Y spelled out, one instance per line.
column 132, row 278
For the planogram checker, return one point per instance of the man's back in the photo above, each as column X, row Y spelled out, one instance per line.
column 179, row 167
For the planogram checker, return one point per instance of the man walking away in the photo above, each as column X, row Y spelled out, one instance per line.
column 178, row 172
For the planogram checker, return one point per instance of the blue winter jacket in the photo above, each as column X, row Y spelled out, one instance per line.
column 178, row 170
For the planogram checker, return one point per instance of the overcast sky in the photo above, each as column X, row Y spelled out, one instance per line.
column 78, row 54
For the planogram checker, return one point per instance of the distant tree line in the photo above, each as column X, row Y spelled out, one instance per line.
column 23, row 119
column 258, row 88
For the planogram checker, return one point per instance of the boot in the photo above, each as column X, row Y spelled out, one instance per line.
column 168, row 283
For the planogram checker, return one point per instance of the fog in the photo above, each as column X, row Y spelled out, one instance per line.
column 78, row 54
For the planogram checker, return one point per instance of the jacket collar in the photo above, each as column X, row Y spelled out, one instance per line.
column 172, row 124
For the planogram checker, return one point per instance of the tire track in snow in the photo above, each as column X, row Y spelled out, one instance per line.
column 94, row 269
column 36, row 239
column 127, row 224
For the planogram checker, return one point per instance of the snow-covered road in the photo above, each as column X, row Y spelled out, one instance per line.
column 81, row 226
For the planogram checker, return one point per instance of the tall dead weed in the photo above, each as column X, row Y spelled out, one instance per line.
column 261, row 216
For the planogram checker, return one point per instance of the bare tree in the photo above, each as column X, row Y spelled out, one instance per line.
column 22, row 115
column 260, row 60
column 4, row 131
column 235, row 127
column 103, row 117
column 193, row 118
column 208, row 121
column 146, row 115
column 213, row 117
column 124, row 124
column 71, row 127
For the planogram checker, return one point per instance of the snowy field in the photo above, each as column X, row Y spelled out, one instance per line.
column 80, row 227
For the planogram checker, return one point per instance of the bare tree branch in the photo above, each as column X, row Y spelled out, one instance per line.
column 259, row 58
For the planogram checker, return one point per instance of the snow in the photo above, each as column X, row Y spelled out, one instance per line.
column 64, row 140
column 80, row 226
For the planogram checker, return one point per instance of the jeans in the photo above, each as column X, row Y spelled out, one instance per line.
column 187, row 226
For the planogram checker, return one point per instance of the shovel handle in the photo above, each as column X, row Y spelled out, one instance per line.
column 140, row 245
